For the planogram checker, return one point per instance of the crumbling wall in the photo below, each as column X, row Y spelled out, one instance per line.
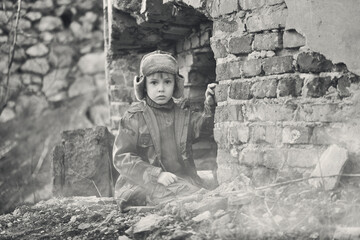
column 283, row 96
column 58, row 55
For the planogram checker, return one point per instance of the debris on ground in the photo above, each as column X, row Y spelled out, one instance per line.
column 296, row 211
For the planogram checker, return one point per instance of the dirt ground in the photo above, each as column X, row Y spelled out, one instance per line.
column 292, row 211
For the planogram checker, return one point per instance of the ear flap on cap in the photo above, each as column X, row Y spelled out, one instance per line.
column 139, row 87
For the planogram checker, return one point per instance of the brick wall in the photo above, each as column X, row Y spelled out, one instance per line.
column 280, row 104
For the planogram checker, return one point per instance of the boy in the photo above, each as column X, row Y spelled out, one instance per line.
column 152, row 150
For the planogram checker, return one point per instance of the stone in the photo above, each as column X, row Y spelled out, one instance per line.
column 263, row 176
column 330, row 166
column 258, row 111
column 37, row 50
column 211, row 204
column 240, row 45
column 205, row 216
column 293, row 39
column 277, row 65
column 100, row 115
column 252, row 67
column 7, row 114
column 43, row 4
column 351, row 233
column 274, row 158
column 224, row 25
column 267, row 41
column 31, row 78
column 313, row 62
column 92, row 63
column 82, row 164
column 240, row 90
column 49, row 23
column 36, row 65
column 82, row 85
column 33, row 16
column 267, row 18
column 234, row 69
column 223, row 7
column 59, row 96
column 315, row 86
column 55, row 81
column 148, row 223
column 34, row 105
column 62, row 56
column 290, row 86
column 4, row 39
column 239, row 134
column 266, row 88
column 250, row 4
column 222, row 71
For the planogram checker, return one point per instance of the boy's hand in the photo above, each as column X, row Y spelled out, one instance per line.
column 209, row 94
column 166, row 178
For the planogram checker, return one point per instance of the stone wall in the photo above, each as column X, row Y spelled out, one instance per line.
column 58, row 54
column 280, row 103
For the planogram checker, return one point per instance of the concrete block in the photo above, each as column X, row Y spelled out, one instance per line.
column 293, row 39
column 240, row 45
column 330, row 165
column 313, row 62
column 278, row 65
column 267, row 41
column 240, row 90
column 252, row 67
column 315, row 86
column 266, row 88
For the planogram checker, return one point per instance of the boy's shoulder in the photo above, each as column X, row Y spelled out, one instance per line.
column 136, row 107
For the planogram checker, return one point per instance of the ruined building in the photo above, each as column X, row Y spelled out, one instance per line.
column 287, row 74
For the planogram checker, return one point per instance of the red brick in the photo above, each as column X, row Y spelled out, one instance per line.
column 227, row 172
column 251, row 157
column 224, row 157
column 240, row 90
column 277, row 65
column 251, row 68
column 313, row 62
column 274, row 158
column 267, row 41
column 266, row 88
column 290, row 86
column 265, row 134
column 221, row 92
column 333, row 133
column 234, row 69
column 296, row 134
column 269, row 112
column 221, row 114
column 303, row 157
column 122, row 95
column 343, row 85
column 225, row 25
column 241, row 45
column 222, row 7
column 222, row 71
column 218, row 48
column 267, row 18
column 221, row 137
column 235, row 113
column 327, row 112
column 238, row 134
column 315, row 86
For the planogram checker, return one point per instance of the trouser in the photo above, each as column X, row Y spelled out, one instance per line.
column 152, row 194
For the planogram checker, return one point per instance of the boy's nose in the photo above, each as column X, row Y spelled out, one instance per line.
column 161, row 87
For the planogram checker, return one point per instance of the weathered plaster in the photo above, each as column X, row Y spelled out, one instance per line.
column 331, row 27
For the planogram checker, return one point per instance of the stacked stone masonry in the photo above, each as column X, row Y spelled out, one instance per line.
column 59, row 53
column 280, row 104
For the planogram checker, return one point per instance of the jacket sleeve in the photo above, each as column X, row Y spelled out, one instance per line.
column 202, row 121
column 126, row 160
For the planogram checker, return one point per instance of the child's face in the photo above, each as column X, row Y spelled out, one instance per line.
column 160, row 87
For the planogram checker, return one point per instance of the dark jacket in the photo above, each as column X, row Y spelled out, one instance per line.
column 137, row 150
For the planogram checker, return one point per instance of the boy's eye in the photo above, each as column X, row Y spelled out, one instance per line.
column 153, row 82
column 168, row 82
